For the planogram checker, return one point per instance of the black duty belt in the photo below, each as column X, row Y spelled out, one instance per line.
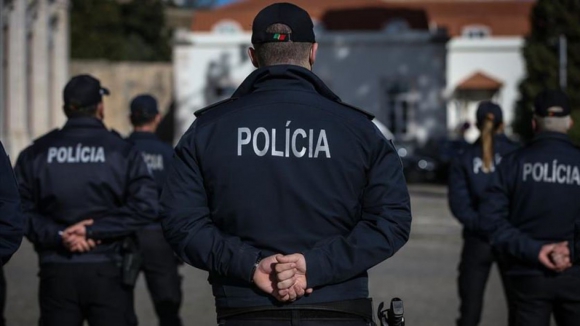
column 357, row 308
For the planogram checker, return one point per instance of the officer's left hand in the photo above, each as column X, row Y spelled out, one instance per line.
column 561, row 249
column 83, row 246
column 74, row 237
column 291, row 276
column 264, row 276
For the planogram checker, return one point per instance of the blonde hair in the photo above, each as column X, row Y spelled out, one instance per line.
column 488, row 130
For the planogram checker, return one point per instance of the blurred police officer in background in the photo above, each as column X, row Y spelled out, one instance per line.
column 286, row 195
column 11, row 222
column 531, row 212
column 159, row 262
column 83, row 190
column 469, row 175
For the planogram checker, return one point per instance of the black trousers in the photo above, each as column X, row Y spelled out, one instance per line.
column 297, row 318
column 318, row 322
column 160, row 267
column 536, row 298
column 477, row 258
column 71, row 293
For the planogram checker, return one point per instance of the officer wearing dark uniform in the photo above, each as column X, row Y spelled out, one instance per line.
column 469, row 175
column 11, row 222
column 159, row 262
column 286, row 195
column 531, row 212
column 84, row 189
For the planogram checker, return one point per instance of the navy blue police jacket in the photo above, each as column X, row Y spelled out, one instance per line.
column 84, row 171
column 467, row 181
column 533, row 200
column 157, row 155
column 285, row 167
column 11, row 222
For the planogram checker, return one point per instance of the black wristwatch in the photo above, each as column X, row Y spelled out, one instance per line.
column 256, row 264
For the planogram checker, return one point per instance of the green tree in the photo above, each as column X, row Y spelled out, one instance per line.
column 549, row 20
column 119, row 30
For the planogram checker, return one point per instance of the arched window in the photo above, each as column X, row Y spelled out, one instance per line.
column 476, row 31
column 227, row 27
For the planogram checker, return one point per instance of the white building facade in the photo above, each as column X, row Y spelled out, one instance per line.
column 485, row 62
column 397, row 77
column 34, row 69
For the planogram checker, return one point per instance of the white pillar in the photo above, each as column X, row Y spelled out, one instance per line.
column 41, row 84
column 60, row 59
column 17, row 133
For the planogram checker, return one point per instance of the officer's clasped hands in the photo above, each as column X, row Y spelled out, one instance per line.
column 555, row 256
column 74, row 237
column 283, row 277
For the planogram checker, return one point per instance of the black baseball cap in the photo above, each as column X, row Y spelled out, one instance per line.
column 485, row 108
column 144, row 106
column 552, row 103
column 83, row 91
column 288, row 14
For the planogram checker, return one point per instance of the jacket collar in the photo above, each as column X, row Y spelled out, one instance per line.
column 550, row 135
column 84, row 122
column 284, row 77
column 142, row 135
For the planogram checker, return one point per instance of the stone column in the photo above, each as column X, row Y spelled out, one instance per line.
column 60, row 59
column 40, row 67
column 17, row 129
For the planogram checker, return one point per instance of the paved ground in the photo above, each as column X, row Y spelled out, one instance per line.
column 423, row 274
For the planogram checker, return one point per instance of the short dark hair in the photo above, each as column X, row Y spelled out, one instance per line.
column 141, row 120
column 87, row 111
column 282, row 52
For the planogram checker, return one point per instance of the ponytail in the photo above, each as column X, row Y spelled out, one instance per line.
column 487, row 134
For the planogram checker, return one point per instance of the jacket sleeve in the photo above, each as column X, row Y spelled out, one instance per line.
column 383, row 228
column 11, row 220
column 494, row 219
column 576, row 244
column 460, row 201
column 188, row 225
column 38, row 228
column 140, row 208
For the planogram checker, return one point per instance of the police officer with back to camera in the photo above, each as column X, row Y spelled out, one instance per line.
column 469, row 175
column 160, row 265
column 84, row 189
column 531, row 212
column 286, row 195
column 11, row 223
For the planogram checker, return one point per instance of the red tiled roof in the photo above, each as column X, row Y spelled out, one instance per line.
column 479, row 81
column 503, row 17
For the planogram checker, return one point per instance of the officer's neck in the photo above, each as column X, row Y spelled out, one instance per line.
column 145, row 128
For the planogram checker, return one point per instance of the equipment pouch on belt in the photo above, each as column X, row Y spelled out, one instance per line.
column 132, row 260
column 394, row 316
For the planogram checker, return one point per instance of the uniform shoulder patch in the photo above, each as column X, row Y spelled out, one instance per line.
column 367, row 114
column 200, row 112
column 48, row 134
column 116, row 133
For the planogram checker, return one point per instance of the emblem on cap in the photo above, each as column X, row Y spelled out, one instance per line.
column 279, row 37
